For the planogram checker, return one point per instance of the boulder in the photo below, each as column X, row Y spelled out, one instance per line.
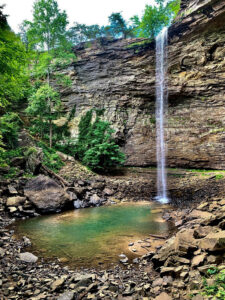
column 15, row 201
column 185, row 240
column 95, row 200
column 213, row 241
column 78, row 204
column 28, row 257
column 46, row 195
column 199, row 214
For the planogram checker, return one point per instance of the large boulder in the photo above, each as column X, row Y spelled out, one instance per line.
column 46, row 195
column 213, row 242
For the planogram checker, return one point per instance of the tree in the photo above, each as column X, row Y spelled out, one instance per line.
column 118, row 25
column 47, row 37
column 81, row 33
column 155, row 18
column 12, row 64
column 44, row 105
column 96, row 147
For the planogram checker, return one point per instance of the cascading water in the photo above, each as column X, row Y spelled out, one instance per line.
column 161, row 110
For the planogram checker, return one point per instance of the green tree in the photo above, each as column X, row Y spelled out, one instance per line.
column 44, row 105
column 46, row 37
column 96, row 148
column 155, row 18
column 81, row 33
column 12, row 65
column 118, row 26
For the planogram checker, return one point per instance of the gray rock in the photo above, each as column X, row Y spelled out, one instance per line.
column 78, row 204
column 28, row 257
column 26, row 241
column 66, row 296
column 95, row 200
column 45, row 194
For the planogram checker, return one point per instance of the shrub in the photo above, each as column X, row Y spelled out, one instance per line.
column 96, row 147
column 10, row 124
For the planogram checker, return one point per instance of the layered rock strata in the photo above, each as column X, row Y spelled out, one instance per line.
column 119, row 76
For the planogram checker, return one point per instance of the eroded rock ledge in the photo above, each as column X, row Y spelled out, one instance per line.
column 119, row 76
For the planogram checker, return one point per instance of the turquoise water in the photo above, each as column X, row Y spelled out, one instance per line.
column 91, row 236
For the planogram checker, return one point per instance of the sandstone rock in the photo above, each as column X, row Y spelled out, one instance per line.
column 45, row 194
column 12, row 209
column 197, row 260
column 157, row 282
column 198, row 297
column 57, row 283
column 199, row 214
column 185, row 240
column 195, row 82
column 15, row 201
column 12, row 190
column 213, row 241
column 28, row 257
column 163, row 296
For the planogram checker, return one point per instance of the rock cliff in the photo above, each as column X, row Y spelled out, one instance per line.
column 119, row 76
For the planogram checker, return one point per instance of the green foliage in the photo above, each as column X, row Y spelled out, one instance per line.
column 219, row 176
column 95, row 146
column 10, row 124
column 155, row 18
column 51, row 159
column 118, row 26
column 217, row 289
column 12, row 65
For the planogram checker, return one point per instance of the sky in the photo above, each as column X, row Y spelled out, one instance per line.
column 82, row 11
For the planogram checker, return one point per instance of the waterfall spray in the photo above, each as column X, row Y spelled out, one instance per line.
column 161, row 110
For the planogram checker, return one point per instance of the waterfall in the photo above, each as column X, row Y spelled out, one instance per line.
column 161, row 111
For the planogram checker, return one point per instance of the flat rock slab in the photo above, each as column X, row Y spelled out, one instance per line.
column 163, row 296
column 28, row 257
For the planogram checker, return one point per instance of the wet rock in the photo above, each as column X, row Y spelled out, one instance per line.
column 78, row 204
column 15, row 201
column 26, row 241
column 45, row 194
column 95, row 200
column 28, row 257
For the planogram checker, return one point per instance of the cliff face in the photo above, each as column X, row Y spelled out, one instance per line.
column 120, row 77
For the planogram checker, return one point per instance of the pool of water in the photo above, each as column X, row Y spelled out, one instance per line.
column 93, row 236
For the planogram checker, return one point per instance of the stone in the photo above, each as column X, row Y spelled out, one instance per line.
column 199, row 214
column 66, row 296
column 2, row 252
column 195, row 81
column 78, row 204
column 26, row 241
column 45, row 194
column 167, row 270
column 12, row 209
column 28, row 257
column 185, row 240
column 213, row 241
column 108, row 192
column 198, row 260
column 12, row 190
column 57, row 283
column 15, row 201
column 163, row 296
column 157, row 282
column 95, row 200
column 198, row 297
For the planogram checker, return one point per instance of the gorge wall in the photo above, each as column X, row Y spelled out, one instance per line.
column 119, row 76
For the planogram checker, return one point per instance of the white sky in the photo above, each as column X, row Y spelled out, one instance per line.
column 82, row 11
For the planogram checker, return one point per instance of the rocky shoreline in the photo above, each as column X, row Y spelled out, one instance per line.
column 172, row 271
